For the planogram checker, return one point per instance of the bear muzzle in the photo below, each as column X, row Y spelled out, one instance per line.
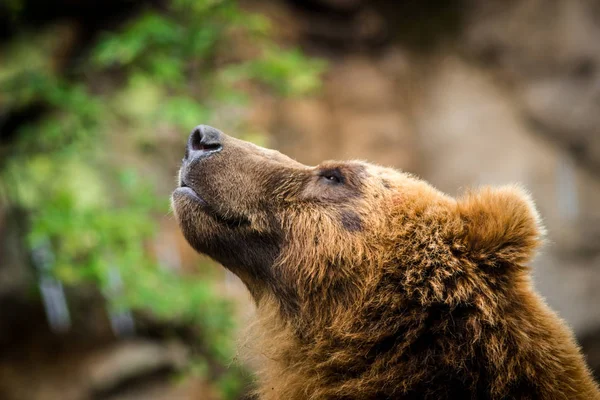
column 204, row 141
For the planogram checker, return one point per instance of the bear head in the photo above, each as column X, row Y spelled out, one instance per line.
column 327, row 233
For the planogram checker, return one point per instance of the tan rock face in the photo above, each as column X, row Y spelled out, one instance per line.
column 359, row 115
column 550, row 53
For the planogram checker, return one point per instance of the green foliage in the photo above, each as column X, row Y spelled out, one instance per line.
column 163, row 71
column 289, row 72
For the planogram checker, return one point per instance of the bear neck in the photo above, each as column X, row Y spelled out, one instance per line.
column 403, row 348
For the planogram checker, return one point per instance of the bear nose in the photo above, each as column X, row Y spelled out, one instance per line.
column 204, row 141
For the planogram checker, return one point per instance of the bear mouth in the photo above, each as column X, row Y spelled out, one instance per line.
column 191, row 193
column 229, row 221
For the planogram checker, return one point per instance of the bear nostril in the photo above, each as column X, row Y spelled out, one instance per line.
column 208, row 147
column 204, row 140
column 195, row 140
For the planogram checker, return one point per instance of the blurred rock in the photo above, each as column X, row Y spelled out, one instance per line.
column 331, row 25
column 358, row 84
column 305, row 129
column 134, row 370
column 360, row 115
column 550, row 54
column 590, row 345
column 127, row 361
column 383, row 137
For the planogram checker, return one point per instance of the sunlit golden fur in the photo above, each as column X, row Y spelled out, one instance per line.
column 381, row 287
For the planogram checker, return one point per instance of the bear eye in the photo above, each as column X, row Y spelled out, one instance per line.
column 333, row 176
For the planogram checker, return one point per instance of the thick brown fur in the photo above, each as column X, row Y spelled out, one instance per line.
column 371, row 284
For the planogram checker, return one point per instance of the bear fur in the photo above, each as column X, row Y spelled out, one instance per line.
column 371, row 284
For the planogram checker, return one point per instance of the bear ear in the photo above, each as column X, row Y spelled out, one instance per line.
column 501, row 223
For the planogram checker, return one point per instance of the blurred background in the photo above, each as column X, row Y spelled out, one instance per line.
column 100, row 296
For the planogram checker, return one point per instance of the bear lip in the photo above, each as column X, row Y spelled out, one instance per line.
column 191, row 193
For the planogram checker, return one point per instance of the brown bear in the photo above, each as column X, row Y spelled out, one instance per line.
column 371, row 284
